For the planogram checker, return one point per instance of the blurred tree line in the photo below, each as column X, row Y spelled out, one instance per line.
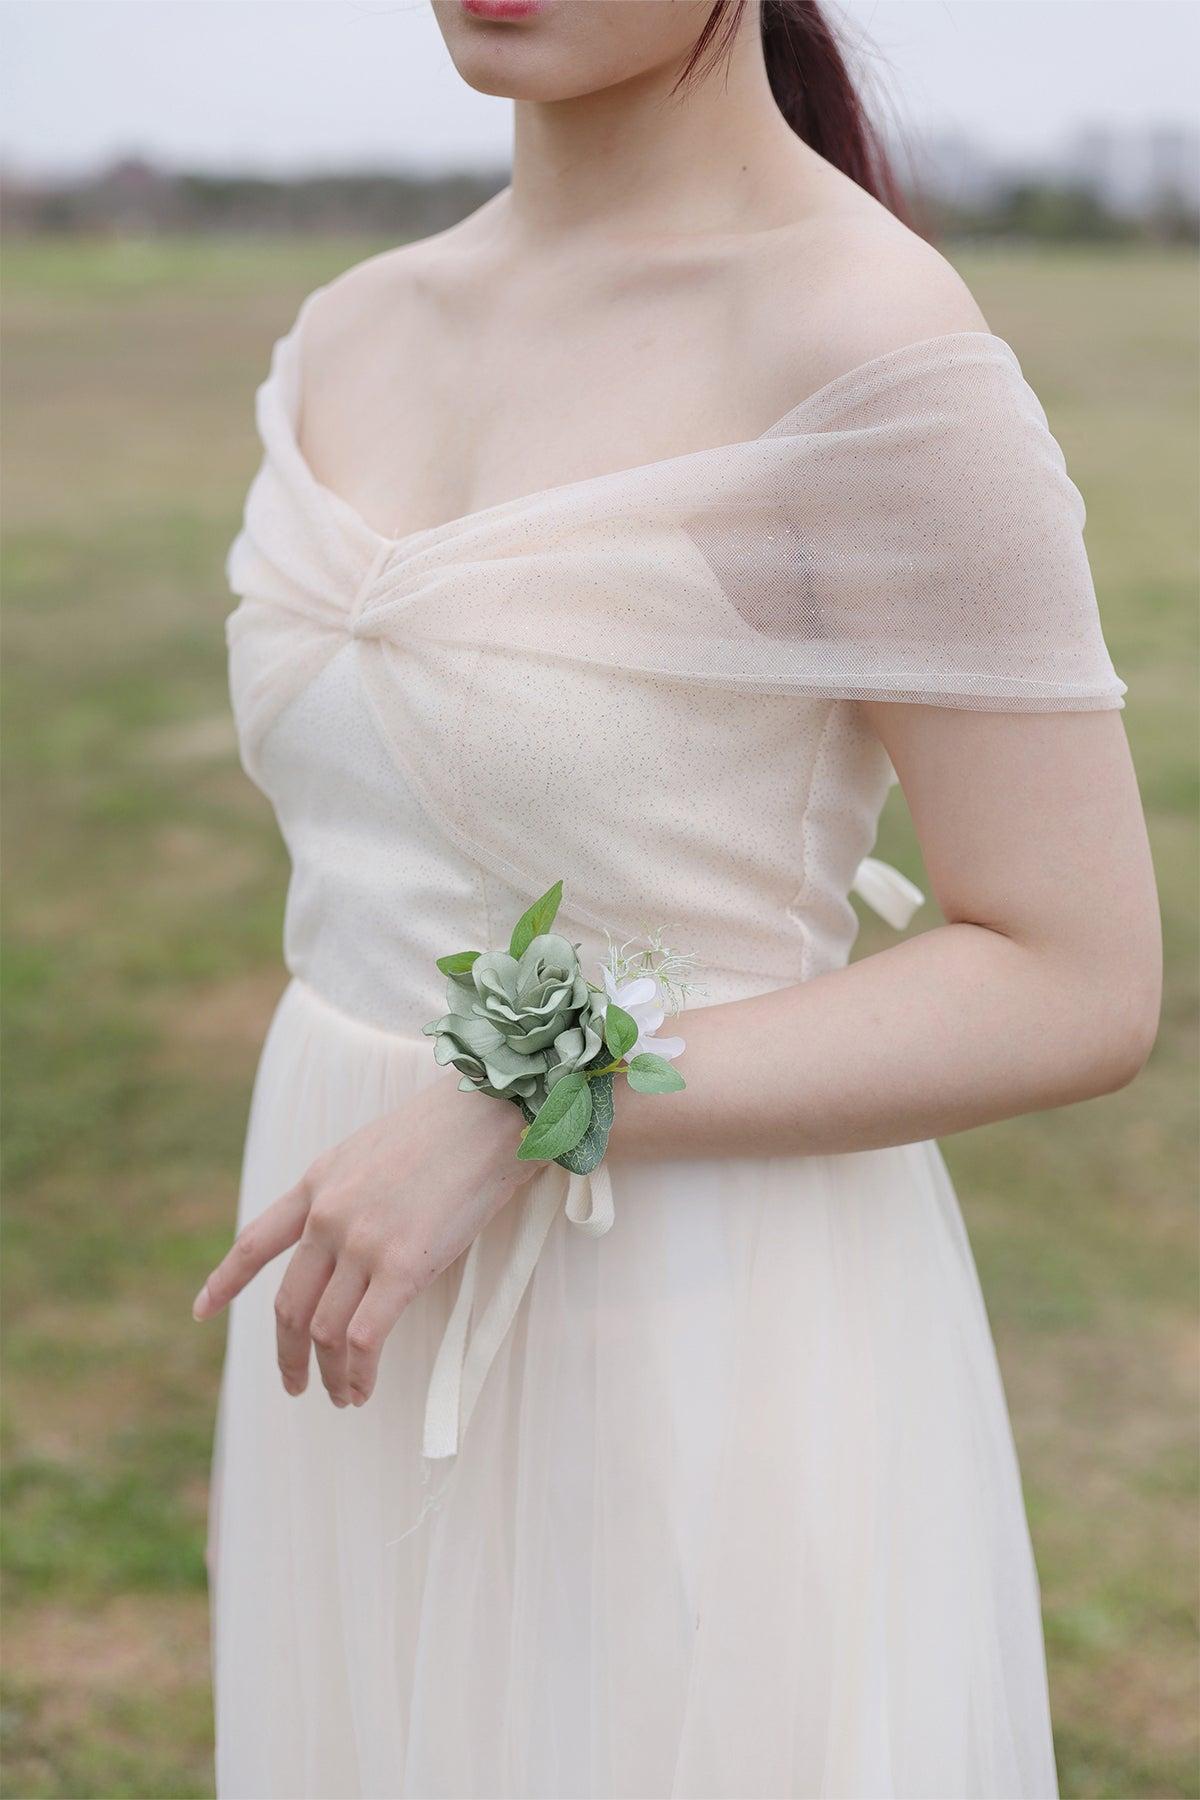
column 1067, row 211
column 135, row 197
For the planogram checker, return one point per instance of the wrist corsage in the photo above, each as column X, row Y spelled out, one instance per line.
column 525, row 1024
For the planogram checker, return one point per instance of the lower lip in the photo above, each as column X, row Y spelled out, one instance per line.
column 502, row 9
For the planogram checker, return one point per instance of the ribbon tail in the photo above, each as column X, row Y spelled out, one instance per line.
column 538, row 1216
column 443, row 1402
column 461, row 1366
column 887, row 892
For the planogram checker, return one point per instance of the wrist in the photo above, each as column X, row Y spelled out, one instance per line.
column 528, row 1020
column 494, row 1126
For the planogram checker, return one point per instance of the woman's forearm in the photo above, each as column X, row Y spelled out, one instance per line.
column 955, row 1028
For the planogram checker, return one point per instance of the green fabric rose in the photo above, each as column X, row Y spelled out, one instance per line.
column 576, row 1047
column 526, row 1025
column 516, row 1025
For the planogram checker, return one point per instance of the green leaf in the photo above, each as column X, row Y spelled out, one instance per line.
column 651, row 1074
column 594, row 1142
column 539, row 918
column 458, row 963
column 591, row 1147
column 620, row 1031
column 560, row 1121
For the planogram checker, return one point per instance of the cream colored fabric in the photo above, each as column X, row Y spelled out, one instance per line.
column 738, row 1512
column 638, row 651
column 462, row 1364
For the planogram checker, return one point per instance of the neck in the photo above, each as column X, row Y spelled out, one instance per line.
column 634, row 158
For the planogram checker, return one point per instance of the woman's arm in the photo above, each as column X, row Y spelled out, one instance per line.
column 1042, row 987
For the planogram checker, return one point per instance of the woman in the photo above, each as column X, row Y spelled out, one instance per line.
column 640, row 531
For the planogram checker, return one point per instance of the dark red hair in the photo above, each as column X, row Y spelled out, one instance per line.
column 813, row 87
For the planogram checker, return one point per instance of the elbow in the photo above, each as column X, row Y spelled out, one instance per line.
column 1124, row 1034
column 1124, row 1058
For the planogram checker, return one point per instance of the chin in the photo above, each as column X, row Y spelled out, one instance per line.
column 504, row 47
column 561, row 49
column 514, row 72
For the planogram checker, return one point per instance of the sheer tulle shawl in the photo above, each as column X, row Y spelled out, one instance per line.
column 908, row 532
column 645, row 682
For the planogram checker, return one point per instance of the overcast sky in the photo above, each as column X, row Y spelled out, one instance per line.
column 283, row 85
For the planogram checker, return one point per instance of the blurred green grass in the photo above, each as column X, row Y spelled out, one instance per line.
column 141, row 960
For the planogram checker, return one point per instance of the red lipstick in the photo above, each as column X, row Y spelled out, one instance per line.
column 502, row 9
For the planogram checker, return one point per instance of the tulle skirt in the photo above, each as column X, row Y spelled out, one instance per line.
column 738, row 1512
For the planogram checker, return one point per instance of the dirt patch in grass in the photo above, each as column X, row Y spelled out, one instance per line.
column 227, row 1019
column 109, row 1702
column 147, row 1642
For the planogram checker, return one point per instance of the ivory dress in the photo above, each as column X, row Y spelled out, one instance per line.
column 737, row 1512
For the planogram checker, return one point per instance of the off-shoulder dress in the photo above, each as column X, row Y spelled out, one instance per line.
column 729, row 1505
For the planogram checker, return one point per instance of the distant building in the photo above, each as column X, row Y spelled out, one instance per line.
column 1132, row 172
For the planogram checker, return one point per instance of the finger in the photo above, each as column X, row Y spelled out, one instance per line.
column 299, row 1295
column 274, row 1230
column 367, row 1333
column 337, row 1307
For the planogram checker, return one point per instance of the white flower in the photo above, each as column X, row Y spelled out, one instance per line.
column 643, row 999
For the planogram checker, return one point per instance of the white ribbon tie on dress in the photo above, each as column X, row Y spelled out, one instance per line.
column 460, row 1368
column 886, row 891
column 463, row 1360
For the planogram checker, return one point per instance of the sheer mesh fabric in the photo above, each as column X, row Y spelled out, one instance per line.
column 908, row 532
column 633, row 680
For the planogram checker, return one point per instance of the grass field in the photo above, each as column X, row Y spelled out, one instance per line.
column 141, row 960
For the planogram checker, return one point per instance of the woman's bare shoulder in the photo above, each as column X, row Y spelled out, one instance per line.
column 850, row 287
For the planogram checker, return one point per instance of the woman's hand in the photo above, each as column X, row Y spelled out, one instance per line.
column 375, row 1220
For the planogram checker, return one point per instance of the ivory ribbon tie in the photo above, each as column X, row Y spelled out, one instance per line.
column 886, row 891
column 462, row 1363
column 465, row 1355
